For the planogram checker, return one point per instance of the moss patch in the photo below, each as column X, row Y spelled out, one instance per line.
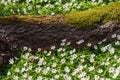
column 47, row 20
column 95, row 17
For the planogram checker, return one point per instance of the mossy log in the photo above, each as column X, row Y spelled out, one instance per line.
column 84, row 19
column 44, row 31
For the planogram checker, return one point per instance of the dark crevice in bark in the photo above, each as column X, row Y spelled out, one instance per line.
column 13, row 37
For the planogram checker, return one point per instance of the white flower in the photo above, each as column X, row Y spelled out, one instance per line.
column 17, row 70
column 24, row 10
column 107, row 63
column 100, row 1
column 66, row 6
column 107, row 79
column 53, row 58
column 44, row 63
column 40, row 62
column 59, row 50
column 95, row 47
column 111, row 70
column 56, row 76
column 118, row 60
column 71, row 62
column 47, row 68
column 25, row 64
column 53, row 70
column 54, row 64
column 96, row 77
column 49, row 53
column 25, row 75
column 29, row 49
column 16, row 58
column 63, row 49
column 91, row 68
column 71, row 52
column 116, row 73
column 87, row 77
column 103, row 63
column 39, row 78
column 102, row 79
column 30, row 78
column 8, row 73
column 103, row 49
column 83, row 78
column 45, row 0
column 68, row 43
column 31, row 58
column 52, row 79
column 108, row 59
column 114, row 65
column 67, row 69
column 25, row 48
column 80, row 67
column 63, row 61
column 18, row 10
column 37, row 70
column 82, row 60
column 30, row 67
column 75, row 72
column 39, row 49
column 100, row 71
column 114, row 35
column 74, row 50
column 108, row 46
column 15, row 78
column 64, row 40
column 118, row 37
column 82, row 74
column 82, row 56
column 11, row 61
column 92, row 55
column 92, row 60
column 117, row 43
column 115, row 56
column 26, row 55
column 29, row 7
column 100, row 42
column 62, row 44
column 63, row 54
column 111, row 50
column 23, row 69
column 68, row 78
column 89, row 44
column 104, row 40
column 45, row 51
column 52, row 47
column 45, row 71
column 74, row 56
column 11, row 10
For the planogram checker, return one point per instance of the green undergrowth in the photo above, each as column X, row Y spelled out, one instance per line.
column 67, row 63
column 49, row 7
column 95, row 17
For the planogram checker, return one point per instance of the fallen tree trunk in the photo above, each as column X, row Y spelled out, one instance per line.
column 45, row 31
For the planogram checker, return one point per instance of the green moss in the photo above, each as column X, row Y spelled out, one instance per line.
column 93, row 18
column 47, row 19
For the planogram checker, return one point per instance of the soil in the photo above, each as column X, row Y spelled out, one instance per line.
column 15, row 36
